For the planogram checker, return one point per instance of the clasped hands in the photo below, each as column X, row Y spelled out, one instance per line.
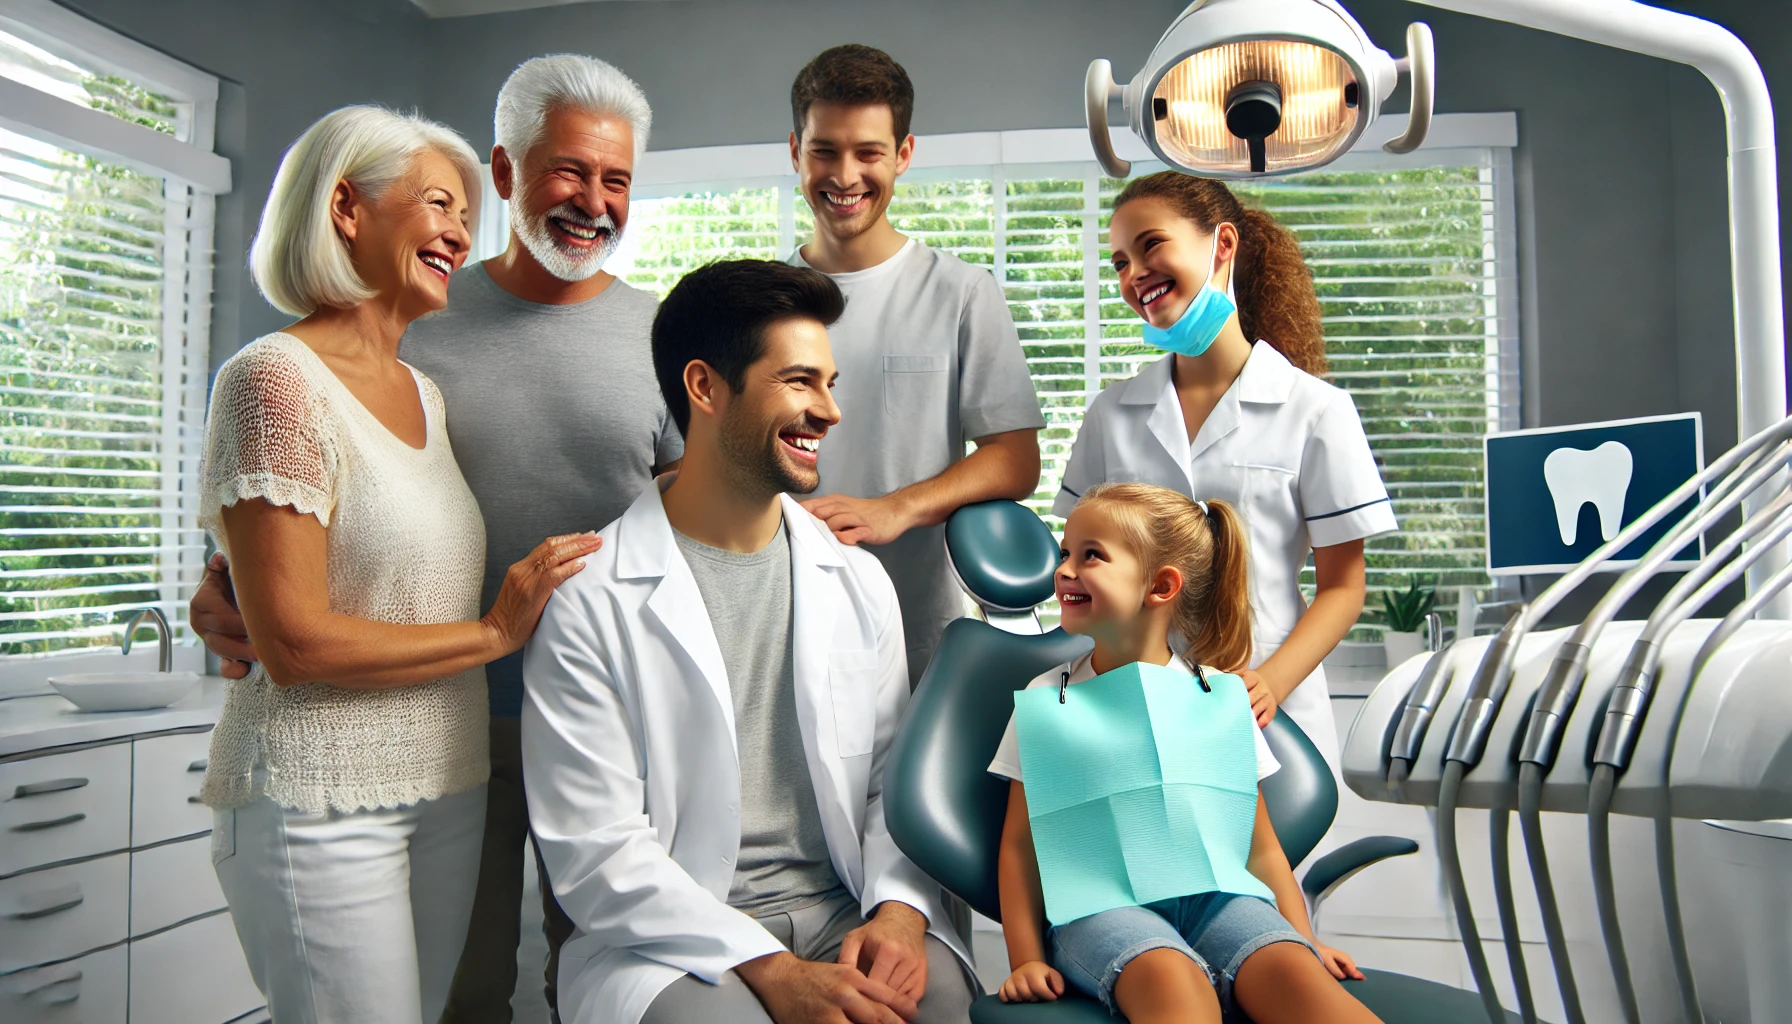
column 878, row 978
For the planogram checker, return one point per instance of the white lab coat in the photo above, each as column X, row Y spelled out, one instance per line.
column 629, row 751
column 1285, row 448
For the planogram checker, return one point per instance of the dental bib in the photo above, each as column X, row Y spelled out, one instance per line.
column 1141, row 786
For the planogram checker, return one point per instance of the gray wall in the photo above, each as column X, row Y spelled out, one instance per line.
column 282, row 64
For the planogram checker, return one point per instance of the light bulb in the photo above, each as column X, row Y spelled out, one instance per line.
column 1318, row 95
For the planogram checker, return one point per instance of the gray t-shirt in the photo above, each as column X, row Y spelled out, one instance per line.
column 929, row 360
column 784, row 863
column 555, row 416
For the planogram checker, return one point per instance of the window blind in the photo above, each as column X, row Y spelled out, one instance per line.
column 1410, row 266
column 102, row 371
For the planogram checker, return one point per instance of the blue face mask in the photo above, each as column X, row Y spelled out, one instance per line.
column 1194, row 331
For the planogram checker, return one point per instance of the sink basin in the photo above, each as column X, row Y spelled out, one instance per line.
column 124, row 691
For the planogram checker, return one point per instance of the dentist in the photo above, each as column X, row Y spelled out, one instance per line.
column 708, row 708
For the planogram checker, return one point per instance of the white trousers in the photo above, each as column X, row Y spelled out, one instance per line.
column 352, row 918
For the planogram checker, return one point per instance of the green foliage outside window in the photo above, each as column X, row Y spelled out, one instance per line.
column 81, row 280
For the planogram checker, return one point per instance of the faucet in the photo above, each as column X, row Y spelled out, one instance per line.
column 165, row 661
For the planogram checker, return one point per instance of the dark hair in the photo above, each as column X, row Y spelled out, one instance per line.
column 1276, row 300
column 857, row 76
column 719, row 313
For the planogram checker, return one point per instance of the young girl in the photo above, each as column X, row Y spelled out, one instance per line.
column 1237, row 411
column 1138, row 562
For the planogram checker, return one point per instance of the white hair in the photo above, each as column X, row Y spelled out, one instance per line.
column 297, row 259
column 571, row 80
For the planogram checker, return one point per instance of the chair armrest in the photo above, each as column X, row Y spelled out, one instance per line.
column 1333, row 869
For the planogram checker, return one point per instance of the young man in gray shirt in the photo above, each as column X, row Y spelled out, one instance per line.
column 929, row 357
column 545, row 367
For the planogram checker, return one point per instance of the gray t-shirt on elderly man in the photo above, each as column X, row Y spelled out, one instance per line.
column 784, row 864
column 929, row 359
column 555, row 416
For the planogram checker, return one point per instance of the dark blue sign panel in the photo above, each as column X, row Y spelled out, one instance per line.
column 1555, row 494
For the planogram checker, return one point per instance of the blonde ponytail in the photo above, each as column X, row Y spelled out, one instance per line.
column 1208, row 547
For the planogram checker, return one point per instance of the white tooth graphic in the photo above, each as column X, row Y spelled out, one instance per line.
column 1575, row 477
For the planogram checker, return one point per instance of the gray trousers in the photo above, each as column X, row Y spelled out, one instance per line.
column 815, row 934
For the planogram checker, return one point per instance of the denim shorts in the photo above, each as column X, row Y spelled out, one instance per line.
column 1217, row 930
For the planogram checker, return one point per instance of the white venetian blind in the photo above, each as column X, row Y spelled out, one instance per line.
column 103, row 368
column 1411, row 266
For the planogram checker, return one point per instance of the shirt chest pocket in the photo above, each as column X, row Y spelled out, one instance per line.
column 1266, row 489
column 852, row 686
column 915, row 387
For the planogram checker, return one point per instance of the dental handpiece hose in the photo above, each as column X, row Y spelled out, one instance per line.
column 1560, row 693
column 1622, row 727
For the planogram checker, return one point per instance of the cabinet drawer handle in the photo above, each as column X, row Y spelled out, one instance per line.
column 39, row 826
column 48, row 979
column 195, row 799
column 32, row 915
column 52, row 786
column 197, row 766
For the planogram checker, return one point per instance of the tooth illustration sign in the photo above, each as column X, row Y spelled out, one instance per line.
column 1600, row 476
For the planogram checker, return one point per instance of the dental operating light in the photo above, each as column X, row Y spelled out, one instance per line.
column 1244, row 88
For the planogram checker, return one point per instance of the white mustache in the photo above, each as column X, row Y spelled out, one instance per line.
column 572, row 214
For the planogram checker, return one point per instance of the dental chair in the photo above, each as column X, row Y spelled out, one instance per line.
column 945, row 811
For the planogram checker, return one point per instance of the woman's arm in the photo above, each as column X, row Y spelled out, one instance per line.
column 1023, row 908
column 1270, row 865
column 278, row 563
column 1341, row 575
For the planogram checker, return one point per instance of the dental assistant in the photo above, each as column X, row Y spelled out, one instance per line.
column 1248, row 422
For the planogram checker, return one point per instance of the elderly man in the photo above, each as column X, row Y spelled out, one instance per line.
column 710, row 703
column 544, row 365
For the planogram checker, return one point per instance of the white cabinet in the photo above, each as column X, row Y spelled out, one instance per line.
column 64, row 806
column 166, row 772
column 110, row 912
column 173, row 883
column 191, row 974
column 90, row 990
column 62, row 912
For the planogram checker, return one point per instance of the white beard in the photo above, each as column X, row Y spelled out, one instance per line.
column 564, row 262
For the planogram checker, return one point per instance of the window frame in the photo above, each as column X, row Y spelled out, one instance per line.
column 193, row 176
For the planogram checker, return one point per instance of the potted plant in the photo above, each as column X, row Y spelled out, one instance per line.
column 1406, row 611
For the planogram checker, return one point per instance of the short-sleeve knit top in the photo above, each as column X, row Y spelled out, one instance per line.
column 405, row 545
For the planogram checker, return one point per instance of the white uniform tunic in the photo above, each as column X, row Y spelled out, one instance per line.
column 1285, row 448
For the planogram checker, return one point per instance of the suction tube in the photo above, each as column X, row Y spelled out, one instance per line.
column 1664, row 814
column 1500, row 831
column 1465, row 914
column 1530, row 819
column 1599, row 836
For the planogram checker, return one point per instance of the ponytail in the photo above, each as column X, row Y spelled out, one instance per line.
column 1217, row 619
column 1213, row 610
column 1274, row 287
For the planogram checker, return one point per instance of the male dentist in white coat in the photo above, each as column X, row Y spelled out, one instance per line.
column 709, row 704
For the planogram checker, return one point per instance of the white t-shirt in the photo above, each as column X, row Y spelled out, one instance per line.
column 1007, row 760
column 929, row 360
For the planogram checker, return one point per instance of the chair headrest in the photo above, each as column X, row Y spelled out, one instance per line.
column 1003, row 555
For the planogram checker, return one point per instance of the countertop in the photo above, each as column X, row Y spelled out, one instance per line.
column 34, row 723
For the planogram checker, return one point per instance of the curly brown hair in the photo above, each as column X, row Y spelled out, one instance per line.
column 1276, row 300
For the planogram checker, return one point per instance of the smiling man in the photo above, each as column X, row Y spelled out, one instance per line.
column 710, row 704
column 929, row 357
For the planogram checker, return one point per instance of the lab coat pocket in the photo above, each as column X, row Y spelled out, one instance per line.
column 914, row 386
column 852, row 684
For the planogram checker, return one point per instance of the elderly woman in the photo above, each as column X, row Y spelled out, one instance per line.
column 348, row 770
